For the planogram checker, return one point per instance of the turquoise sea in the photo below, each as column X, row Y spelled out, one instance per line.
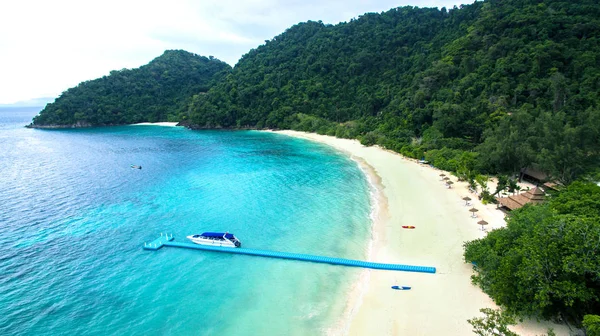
column 74, row 217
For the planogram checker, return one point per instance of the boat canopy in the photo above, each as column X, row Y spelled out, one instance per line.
column 218, row 235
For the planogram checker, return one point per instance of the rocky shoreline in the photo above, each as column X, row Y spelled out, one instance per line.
column 79, row 124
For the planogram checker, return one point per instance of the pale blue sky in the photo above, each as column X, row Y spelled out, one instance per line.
column 49, row 46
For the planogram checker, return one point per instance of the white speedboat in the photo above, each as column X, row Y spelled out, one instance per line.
column 223, row 239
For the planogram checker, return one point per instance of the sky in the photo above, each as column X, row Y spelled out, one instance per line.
column 47, row 47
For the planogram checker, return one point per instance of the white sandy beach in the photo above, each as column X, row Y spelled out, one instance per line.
column 162, row 123
column 413, row 194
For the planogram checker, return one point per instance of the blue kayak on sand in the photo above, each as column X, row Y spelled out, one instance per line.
column 401, row 287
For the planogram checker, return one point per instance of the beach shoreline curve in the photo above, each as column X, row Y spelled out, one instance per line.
column 412, row 194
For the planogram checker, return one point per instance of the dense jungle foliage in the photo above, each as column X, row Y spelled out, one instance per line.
column 157, row 91
column 510, row 83
column 490, row 87
column 546, row 262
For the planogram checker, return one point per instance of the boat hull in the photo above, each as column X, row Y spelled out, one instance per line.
column 213, row 242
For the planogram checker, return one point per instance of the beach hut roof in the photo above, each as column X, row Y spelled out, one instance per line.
column 535, row 196
column 537, row 192
column 551, row 185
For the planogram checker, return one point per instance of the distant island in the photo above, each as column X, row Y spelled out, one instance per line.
column 495, row 87
column 35, row 102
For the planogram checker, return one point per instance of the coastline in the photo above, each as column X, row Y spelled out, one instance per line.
column 378, row 214
column 413, row 194
column 160, row 123
column 80, row 124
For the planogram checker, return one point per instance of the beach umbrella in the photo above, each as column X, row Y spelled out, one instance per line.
column 466, row 199
column 473, row 210
column 442, row 175
column 449, row 184
column 482, row 223
column 446, row 178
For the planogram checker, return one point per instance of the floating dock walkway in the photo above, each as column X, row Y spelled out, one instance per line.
column 167, row 240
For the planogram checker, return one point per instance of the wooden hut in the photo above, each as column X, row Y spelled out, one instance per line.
column 535, row 196
column 532, row 175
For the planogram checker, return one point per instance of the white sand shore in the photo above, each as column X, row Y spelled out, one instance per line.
column 413, row 194
column 162, row 123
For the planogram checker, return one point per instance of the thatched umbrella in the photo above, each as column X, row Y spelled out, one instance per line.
column 473, row 210
column 449, row 184
column 466, row 199
column 482, row 223
column 442, row 175
column 446, row 178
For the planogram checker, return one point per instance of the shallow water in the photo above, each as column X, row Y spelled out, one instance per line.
column 74, row 216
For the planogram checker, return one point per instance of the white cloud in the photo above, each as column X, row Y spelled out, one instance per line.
column 49, row 46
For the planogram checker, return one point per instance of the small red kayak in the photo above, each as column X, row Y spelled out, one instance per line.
column 408, row 227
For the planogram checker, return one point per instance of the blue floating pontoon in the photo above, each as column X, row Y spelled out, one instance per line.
column 158, row 242
column 166, row 240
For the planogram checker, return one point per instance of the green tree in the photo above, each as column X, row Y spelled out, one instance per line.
column 494, row 323
column 503, row 183
column 591, row 323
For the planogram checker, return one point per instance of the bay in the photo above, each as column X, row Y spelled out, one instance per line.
column 74, row 217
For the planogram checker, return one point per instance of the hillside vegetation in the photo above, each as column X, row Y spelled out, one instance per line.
column 494, row 86
column 157, row 91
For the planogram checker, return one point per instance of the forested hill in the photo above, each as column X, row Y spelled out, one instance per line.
column 493, row 86
column 157, row 91
column 344, row 72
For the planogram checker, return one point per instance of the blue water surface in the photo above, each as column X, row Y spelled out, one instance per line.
column 74, row 217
